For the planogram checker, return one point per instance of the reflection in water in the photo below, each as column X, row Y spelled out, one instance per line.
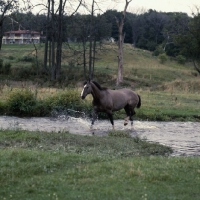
column 183, row 137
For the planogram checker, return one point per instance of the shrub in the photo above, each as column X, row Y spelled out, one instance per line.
column 21, row 102
column 11, row 57
column 1, row 65
column 7, row 68
column 159, row 50
column 3, row 108
column 27, row 59
column 163, row 58
column 181, row 59
column 22, row 72
column 66, row 99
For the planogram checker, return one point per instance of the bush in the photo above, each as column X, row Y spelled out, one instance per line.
column 1, row 65
column 66, row 99
column 3, row 108
column 163, row 58
column 159, row 50
column 7, row 68
column 181, row 59
column 27, row 59
column 11, row 57
column 22, row 72
column 21, row 102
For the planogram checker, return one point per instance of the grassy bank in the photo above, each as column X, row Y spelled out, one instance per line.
column 39, row 165
column 169, row 91
column 156, row 105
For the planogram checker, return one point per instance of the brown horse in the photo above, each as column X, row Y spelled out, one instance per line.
column 108, row 101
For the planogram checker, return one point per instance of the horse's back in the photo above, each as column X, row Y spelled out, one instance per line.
column 123, row 97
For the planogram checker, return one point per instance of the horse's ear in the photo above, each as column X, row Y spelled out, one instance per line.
column 89, row 80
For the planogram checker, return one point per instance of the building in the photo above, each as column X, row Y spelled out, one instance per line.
column 21, row 37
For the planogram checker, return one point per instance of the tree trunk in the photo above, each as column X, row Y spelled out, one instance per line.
column 120, row 24
column 53, row 65
column 196, row 66
column 46, row 41
column 59, row 42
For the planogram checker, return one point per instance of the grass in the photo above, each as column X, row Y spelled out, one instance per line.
column 39, row 165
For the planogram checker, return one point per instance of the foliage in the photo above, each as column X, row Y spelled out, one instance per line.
column 22, row 73
column 27, row 58
column 7, row 68
column 189, row 40
column 159, row 50
column 21, row 102
column 181, row 59
column 163, row 58
column 1, row 65
column 66, row 99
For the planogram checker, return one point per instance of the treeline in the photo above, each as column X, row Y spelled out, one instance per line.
column 174, row 34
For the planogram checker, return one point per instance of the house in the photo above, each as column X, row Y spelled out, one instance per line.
column 21, row 37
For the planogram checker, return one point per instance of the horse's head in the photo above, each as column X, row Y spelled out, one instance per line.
column 87, row 89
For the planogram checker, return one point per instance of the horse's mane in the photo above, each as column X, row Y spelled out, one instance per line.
column 99, row 87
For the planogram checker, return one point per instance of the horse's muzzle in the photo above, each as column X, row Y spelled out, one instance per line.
column 82, row 97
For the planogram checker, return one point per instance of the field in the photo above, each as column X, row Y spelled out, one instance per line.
column 40, row 165
column 169, row 91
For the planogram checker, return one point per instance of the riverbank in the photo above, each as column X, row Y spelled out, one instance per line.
column 182, row 137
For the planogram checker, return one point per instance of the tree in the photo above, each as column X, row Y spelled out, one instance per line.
column 120, row 24
column 88, row 30
column 5, row 7
column 54, row 36
column 189, row 41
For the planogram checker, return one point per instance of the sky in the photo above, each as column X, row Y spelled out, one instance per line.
column 186, row 6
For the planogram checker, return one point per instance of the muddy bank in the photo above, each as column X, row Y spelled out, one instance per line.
column 183, row 137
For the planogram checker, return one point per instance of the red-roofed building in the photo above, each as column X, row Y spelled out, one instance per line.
column 21, row 37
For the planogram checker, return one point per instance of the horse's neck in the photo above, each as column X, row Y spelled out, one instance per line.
column 96, row 92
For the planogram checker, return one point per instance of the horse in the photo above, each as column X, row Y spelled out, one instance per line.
column 108, row 101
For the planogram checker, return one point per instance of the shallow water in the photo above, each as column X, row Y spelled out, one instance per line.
column 183, row 137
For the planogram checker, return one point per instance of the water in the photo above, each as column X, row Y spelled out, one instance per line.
column 183, row 137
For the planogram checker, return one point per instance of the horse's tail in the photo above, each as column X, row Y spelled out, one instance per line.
column 139, row 102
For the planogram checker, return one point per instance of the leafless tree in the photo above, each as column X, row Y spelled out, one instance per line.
column 121, row 36
column 54, row 36
column 5, row 7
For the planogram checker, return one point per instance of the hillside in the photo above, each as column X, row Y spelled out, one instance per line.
column 141, row 69
column 169, row 91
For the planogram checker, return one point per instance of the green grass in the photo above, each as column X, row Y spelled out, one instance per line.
column 39, row 165
column 169, row 91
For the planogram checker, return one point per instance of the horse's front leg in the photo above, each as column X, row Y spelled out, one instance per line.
column 94, row 117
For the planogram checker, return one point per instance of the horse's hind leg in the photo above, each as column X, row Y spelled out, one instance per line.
column 132, row 112
column 111, row 119
column 126, row 108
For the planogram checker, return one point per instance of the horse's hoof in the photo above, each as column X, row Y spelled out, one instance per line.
column 125, row 123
